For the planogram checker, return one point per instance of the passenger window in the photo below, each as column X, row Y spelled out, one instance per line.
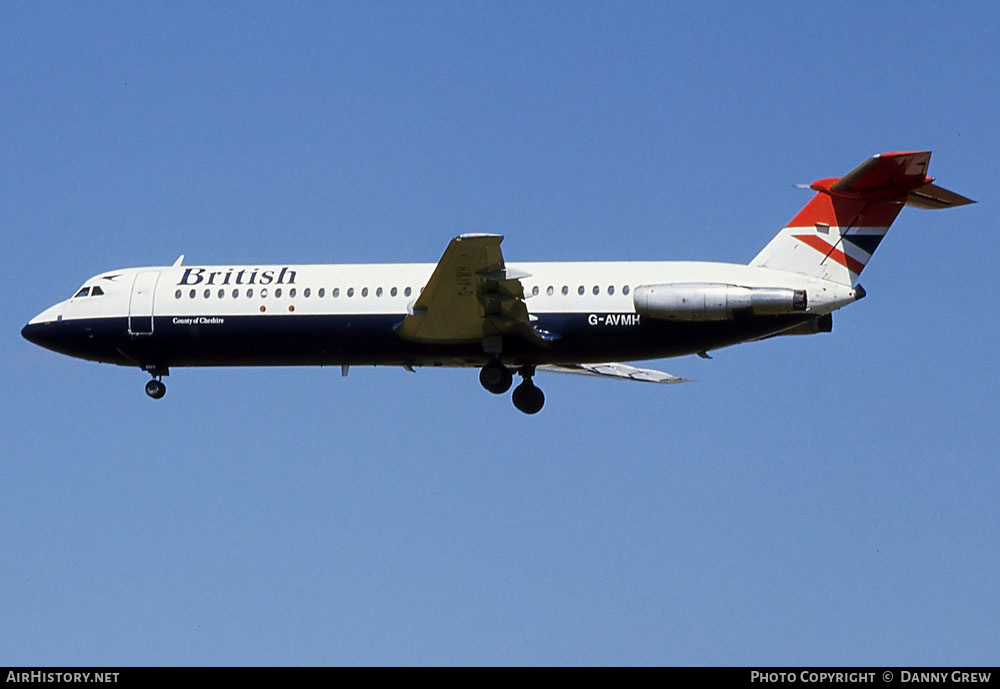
column 305, row 293
column 597, row 290
column 611, row 289
column 580, row 290
column 277, row 293
column 250, row 293
column 263, row 292
column 236, row 293
column 534, row 291
column 393, row 292
column 96, row 292
column 550, row 290
column 350, row 291
column 364, row 291
column 407, row 292
column 336, row 292
column 82, row 293
column 378, row 292
column 177, row 294
column 565, row 290
column 291, row 292
column 192, row 294
column 625, row 289
column 321, row 293
column 222, row 293
column 208, row 293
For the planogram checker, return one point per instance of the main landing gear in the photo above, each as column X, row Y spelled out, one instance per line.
column 497, row 378
column 528, row 398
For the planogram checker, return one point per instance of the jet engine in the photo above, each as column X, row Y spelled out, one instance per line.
column 696, row 301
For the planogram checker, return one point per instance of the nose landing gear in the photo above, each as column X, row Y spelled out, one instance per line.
column 156, row 389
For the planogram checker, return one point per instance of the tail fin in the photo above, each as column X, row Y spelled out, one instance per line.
column 837, row 232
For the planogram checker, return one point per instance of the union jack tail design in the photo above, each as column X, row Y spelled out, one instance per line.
column 837, row 232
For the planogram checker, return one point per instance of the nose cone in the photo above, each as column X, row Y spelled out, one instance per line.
column 30, row 333
column 43, row 330
column 42, row 334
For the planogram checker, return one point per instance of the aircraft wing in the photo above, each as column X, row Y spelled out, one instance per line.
column 614, row 370
column 471, row 296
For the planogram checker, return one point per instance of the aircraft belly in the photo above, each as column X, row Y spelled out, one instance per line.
column 227, row 340
column 602, row 337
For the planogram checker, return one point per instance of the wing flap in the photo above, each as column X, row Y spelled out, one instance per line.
column 615, row 370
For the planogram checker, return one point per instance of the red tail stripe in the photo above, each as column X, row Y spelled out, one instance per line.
column 827, row 249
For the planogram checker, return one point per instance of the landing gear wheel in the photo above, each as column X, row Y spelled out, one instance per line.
column 496, row 378
column 156, row 389
column 528, row 398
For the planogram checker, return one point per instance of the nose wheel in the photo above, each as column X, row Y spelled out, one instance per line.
column 156, row 389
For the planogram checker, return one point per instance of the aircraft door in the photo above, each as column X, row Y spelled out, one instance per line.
column 140, row 305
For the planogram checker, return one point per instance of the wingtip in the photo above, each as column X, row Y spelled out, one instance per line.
column 478, row 235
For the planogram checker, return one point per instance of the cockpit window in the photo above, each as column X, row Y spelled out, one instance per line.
column 96, row 291
column 82, row 293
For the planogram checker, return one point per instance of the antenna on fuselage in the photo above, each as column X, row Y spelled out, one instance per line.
column 179, row 261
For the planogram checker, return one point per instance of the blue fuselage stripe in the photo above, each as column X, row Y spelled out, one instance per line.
column 366, row 339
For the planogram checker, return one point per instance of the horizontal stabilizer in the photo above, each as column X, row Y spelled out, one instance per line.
column 884, row 174
column 931, row 197
column 614, row 370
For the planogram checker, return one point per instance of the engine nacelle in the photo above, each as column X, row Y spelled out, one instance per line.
column 698, row 301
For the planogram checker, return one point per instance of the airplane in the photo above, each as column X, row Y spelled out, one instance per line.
column 473, row 309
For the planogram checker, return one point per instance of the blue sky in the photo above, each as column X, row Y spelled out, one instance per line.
column 830, row 499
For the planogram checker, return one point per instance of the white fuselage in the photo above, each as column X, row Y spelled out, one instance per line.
column 370, row 289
